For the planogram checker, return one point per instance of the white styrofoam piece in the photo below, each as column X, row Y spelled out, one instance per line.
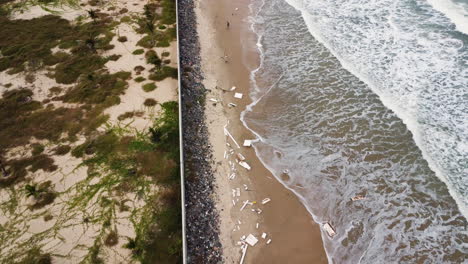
column 245, row 165
column 251, row 240
column 238, row 95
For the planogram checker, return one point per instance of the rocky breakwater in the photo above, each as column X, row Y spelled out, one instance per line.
column 202, row 225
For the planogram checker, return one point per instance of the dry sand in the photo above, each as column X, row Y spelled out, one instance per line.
column 295, row 238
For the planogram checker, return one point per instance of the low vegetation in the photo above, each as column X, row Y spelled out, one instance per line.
column 71, row 124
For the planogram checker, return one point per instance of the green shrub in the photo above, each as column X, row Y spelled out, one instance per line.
column 62, row 150
column 164, row 73
column 138, row 51
column 149, row 87
column 122, row 39
column 150, row 102
column 140, row 79
column 152, row 58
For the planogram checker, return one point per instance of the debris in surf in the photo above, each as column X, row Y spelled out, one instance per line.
column 240, row 157
column 238, row 95
column 357, row 198
column 251, row 240
column 245, row 165
column 330, row 230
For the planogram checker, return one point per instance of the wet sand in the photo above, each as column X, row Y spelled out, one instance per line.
column 295, row 238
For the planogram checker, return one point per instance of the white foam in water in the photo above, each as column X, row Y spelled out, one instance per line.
column 336, row 138
column 456, row 11
column 423, row 79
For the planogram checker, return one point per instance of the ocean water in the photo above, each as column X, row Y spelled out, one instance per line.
column 368, row 98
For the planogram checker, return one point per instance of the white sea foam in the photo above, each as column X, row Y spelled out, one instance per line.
column 456, row 11
column 336, row 139
column 400, row 86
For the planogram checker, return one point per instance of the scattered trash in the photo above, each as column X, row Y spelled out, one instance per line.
column 240, row 156
column 226, row 132
column 257, row 225
column 251, row 240
column 244, row 205
column 232, row 105
column 245, row 165
column 264, row 235
column 266, row 200
column 238, row 192
column 247, row 143
column 330, row 230
column 244, row 251
column 238, row 95
column 245, row 187
column 213, row 100
column 357, row 198
column 233, row 88
column 269, row 241
column 259, row 211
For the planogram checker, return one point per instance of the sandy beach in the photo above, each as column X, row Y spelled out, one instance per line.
column 228, row 54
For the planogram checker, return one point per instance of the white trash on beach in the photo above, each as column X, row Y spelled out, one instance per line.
column 256, row 226
column 213, row 100
column 247, row 143
column 266, row 200
column 232, row 105
column 240, row 157
column 238, row 192
column 330, row 230
column 244, row 205
column 244, row 251
column 245, row 165
column 264, row 235
column 233, row 88
column 269, row 241
column 251, row 240
column 238, row 95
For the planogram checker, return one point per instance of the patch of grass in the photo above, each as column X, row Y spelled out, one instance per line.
column 153, row 58
column 140, row 79
column 149, row 87
column 37, row 149
column 165, row 54
column 99, row 89
column 23, row 41
column 150, row 102
column 168, row 16
column 163, row 73
column 62, row 150
column 114, row 57
column 138, row 51
column 126, row 115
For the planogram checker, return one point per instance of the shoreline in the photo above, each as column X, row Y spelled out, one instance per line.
column 291, row 238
